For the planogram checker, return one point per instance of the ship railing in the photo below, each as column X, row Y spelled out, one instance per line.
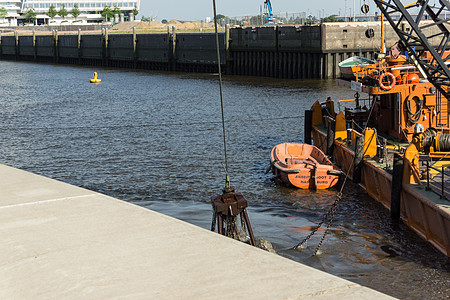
column 363, row 100
column 440, row 183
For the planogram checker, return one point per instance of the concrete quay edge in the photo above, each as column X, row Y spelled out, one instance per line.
column 64, row 242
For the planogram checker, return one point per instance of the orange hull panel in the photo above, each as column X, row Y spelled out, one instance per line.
column 420, row 213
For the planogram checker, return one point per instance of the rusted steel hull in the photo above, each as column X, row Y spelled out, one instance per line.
column 417, row 210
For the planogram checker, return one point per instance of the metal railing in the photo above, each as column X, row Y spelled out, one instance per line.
column 440, row 183
column 364, row 101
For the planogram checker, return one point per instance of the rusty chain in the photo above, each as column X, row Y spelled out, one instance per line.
column 332, row 210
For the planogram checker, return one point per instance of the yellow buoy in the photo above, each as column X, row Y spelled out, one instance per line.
column 95, row 79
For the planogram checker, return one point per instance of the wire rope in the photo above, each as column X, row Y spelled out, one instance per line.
column 219, row 68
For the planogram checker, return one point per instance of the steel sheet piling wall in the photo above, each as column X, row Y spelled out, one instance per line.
column 45, row 48
column 152, row 51
column 92, row 50
column 291, row 52
column 277, row 51
column 8, row 47
column 121, row 50
column 271, row 51
column 26, row 48
column 68, row 49
column 196, row 52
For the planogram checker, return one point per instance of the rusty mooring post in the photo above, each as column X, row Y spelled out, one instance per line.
column 226, row 208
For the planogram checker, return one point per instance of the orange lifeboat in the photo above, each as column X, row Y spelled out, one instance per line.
column 304, row 166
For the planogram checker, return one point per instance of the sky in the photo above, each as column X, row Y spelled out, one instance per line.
column 193, row 10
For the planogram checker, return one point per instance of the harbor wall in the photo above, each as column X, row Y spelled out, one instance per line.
column 59, row 239
column 270, row 51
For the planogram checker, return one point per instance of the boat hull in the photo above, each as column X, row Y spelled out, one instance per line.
column 305, row 180
column 355, row 65
column 417, row 211
column 307, row 167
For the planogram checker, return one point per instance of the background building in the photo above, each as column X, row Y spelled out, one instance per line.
column 13, row 8
column 90, row 10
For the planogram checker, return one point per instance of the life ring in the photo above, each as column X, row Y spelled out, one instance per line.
column 392, row 79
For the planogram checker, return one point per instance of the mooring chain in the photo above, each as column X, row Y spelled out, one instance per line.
column 331, row 211
column 333, row 208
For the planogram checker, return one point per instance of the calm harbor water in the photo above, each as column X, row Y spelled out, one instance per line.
column 155, row 139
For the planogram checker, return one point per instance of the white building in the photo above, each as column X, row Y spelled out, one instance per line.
column 13, row 8
column 90, row 10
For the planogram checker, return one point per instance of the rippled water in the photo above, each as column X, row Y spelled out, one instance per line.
column 155, row 139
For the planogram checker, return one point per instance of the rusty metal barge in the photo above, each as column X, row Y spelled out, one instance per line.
column 396, row 142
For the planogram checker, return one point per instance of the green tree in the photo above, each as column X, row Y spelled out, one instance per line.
column 332, row 18
column 310, row 20
column 3, row 12
column 164, row 21
column 135, row 11
column 107, row 13
column 145, row 19
column 116, row 10
column 219, row 17
column 75, row 12
column 52, row 12
column 30, row 15
column 63, row 12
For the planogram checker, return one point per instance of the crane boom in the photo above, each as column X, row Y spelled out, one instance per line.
column 416, row 41
column 270, row 19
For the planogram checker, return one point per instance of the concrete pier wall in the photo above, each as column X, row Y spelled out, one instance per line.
column 60, row 241
column 271, row 51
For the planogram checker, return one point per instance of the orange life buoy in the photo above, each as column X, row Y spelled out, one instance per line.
column 392, row 79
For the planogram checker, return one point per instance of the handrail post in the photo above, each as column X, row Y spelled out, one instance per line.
column 443, row 174
column 428, row 175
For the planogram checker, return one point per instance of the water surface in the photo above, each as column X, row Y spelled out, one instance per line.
column 155, row 139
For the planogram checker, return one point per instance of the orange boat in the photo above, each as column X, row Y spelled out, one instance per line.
column 304, row 166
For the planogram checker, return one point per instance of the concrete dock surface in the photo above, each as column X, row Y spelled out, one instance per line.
column 59, row 241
